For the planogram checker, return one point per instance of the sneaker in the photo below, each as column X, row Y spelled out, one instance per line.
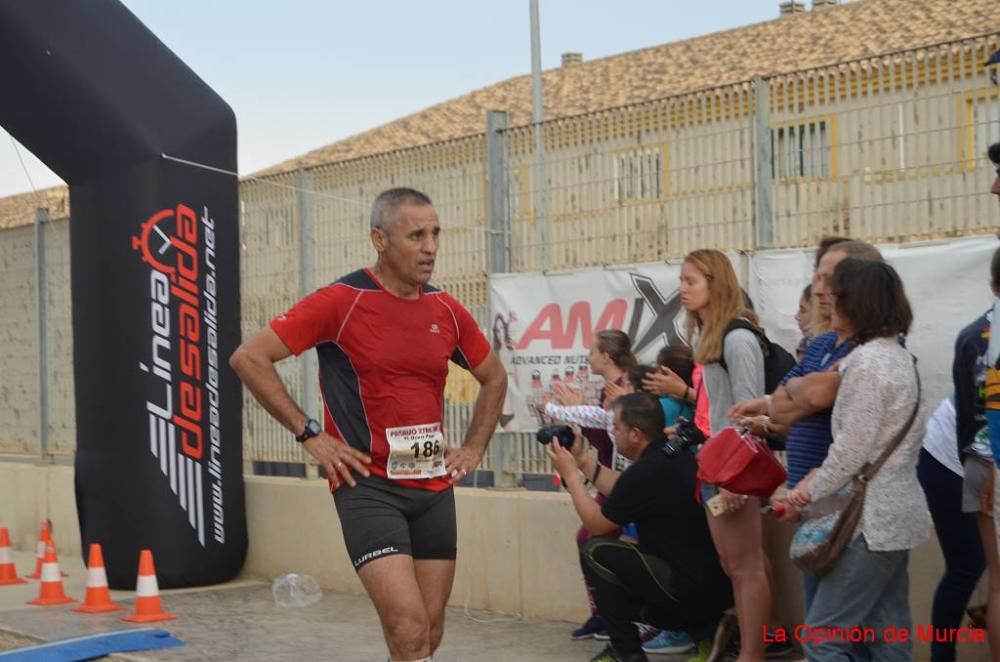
column 727, row 637
column 773, row 651
column 703, row 651
column 730, row 655
column 647, row 632
column 609, row 654
column 669, row 642
column 593, row 628
column 779, row 650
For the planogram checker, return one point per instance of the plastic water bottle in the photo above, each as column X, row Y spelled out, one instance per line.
column 294, row 590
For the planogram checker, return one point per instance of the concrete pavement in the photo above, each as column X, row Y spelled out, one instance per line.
column 239, row 621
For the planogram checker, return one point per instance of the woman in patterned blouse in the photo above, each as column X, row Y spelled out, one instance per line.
column 868, row 586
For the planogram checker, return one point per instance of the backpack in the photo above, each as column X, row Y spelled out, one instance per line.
column 777, row 360
column 777, row 363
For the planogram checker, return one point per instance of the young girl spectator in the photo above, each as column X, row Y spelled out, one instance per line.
column 610, row 358
column 690, row 392
column 712, row 297
column 679, row 360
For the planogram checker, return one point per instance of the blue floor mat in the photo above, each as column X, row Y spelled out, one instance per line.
column 93, row 646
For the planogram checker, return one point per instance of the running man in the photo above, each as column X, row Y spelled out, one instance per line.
column 384, row 338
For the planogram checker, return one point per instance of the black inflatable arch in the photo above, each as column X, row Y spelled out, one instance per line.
column 155, row 281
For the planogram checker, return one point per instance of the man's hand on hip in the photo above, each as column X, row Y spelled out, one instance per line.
column 459, row 462
column 338, row 459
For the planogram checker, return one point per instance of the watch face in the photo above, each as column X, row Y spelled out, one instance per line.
column 313, row 428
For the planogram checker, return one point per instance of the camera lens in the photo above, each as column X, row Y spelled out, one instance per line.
column 563, row 434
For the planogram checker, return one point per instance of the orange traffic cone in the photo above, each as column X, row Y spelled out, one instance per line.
column 51, row 588
column 43, row 536
column 98, row 598
column 8, row 573
column 147, row 594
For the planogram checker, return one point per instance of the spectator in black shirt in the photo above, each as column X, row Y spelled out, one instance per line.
column 672, row 578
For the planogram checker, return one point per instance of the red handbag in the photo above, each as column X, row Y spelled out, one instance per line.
column 740, row 463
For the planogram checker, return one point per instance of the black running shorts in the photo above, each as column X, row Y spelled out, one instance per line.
column 380, row 518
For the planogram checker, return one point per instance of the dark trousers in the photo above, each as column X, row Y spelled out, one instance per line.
column 631, row 587
column 582, row 536
column 961, row 545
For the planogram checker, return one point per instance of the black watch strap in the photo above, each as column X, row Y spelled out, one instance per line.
column 313, row 428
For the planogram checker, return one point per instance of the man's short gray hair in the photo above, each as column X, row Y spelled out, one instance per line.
column 387, row 204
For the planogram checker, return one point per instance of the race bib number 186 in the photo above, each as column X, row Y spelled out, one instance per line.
column 415, row 451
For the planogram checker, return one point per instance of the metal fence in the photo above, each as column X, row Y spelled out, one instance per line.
column 633, row 184
column 306, row 229
column 25, row 426
column 884, row 149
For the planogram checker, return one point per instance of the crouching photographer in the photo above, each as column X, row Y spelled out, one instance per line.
column 672, row 578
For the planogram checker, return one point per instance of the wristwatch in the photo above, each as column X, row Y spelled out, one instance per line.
column 313, row 428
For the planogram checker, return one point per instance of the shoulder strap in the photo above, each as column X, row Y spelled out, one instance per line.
column 697, row 393
column 742, row 323
column 871, row 469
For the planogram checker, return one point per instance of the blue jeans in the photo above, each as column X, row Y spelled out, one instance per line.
column 868, row 590
column 810, row 583
column 961, row 546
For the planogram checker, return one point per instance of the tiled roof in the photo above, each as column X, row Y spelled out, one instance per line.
column 799, row 41
column 17, row 210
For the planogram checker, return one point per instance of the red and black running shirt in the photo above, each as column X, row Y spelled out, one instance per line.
column 383, row 360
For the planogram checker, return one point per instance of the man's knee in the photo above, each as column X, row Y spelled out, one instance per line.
column 409, row 634
column 604, row 552
column 435, row 628
column 587, row 561
column 436, row 634
column 602, row 560
column 588, row 547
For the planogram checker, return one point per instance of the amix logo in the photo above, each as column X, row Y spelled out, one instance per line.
column 183, row 365
column 579, row 328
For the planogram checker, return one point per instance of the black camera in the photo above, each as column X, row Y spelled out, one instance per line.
column 686, row 435
column 563, row 433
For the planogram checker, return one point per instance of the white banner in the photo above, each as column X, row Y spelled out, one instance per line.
column 543, row 324
column 948, row 285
